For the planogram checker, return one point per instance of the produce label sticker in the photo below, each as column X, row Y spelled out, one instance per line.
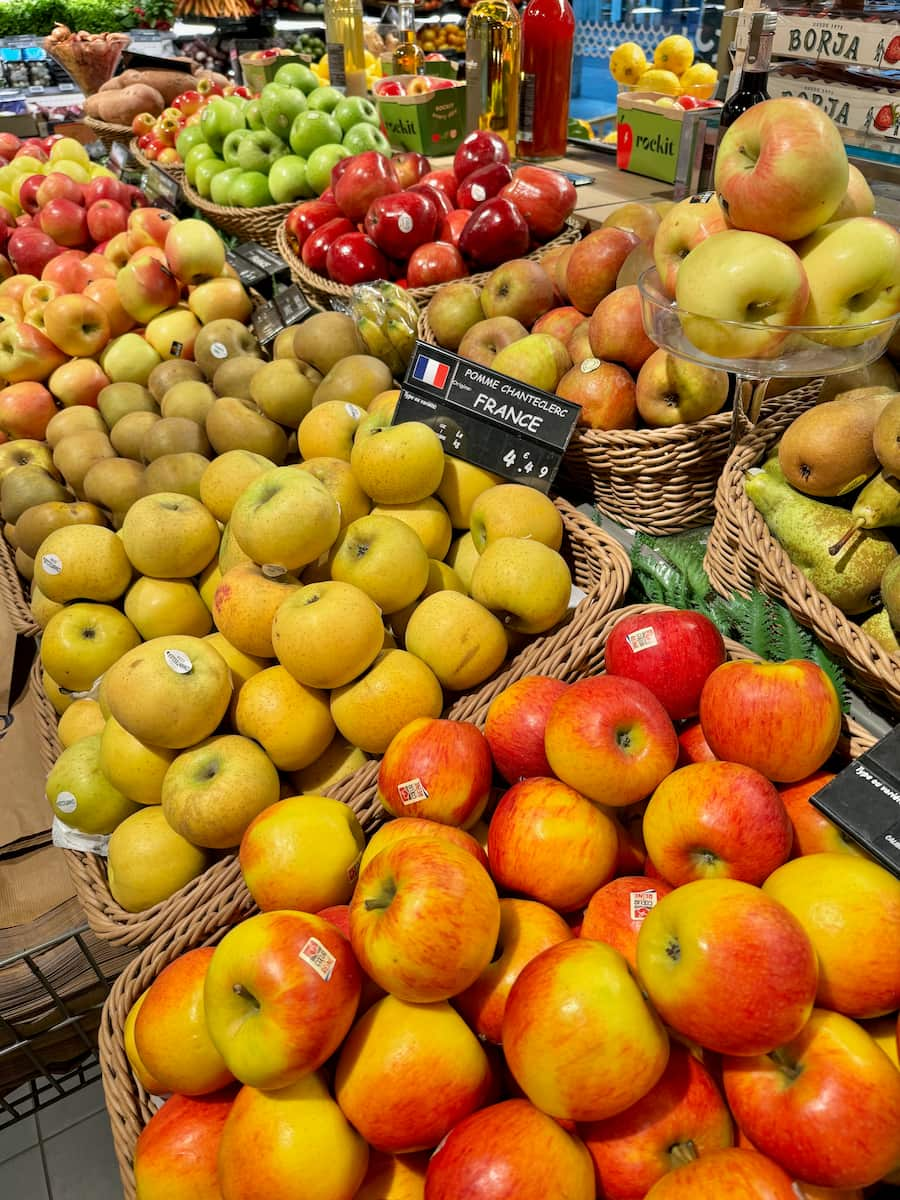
column 66, row 802
column 640, row 903
column 641, row 639
column 412, row 791
column 485, row 418
column 178, row 661
column 319, row 957
column 51, row 563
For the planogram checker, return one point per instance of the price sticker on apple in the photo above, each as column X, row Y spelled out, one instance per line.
column 488, row 419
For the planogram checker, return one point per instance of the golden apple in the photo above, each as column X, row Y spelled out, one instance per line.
column 82, row 718
column 428, row 518
column 396, row 689
column 458, row 638
column 524, row 582
column 326, row 634
column 460, row 486
column 336, row 762
column 80, row 794
column 515, row 510
column 82, row 640
column 291, row 722
column 337, row 476
column 227, row 477
column 170, row 536
column 384, row 558
column 286, row 517
column 398, row 464
column 148, row 861
column 159, row 606
column 245, row 604
column 327, row 430
column 136, row 768
column 463, row 558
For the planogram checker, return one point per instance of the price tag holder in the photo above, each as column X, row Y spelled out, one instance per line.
column 863, row 800
column 162, row 190
column 119, row 156
column 487, row 419
column 288, row 308
column 250, row 275
column 95, row 150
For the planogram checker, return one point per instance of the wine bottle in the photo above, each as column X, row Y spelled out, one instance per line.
column 752, row 85
column 493, row 55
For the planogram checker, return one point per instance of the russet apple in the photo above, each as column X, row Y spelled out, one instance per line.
column 176, row 1156
column 436, row 769
column 236, row 424
column 326, row 634
column 686, row 961
column 169, row 536
column 115, row 484
column 605, row 391
column 672, row 390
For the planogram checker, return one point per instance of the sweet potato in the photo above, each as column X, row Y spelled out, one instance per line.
column 169, row 84
column 120, row 106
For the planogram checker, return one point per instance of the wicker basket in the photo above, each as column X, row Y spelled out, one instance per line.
column 12, row 595
column 107, row 133
column 320, row 287
column 176, row 170
column 574, row 652
column 600, row 567
column 248, row 224
column 742, row 554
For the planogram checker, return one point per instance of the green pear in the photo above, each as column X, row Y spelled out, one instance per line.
column 880, row 630
column 886, row 437
column 890, row 592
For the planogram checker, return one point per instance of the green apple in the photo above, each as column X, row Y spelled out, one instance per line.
column 312, row 129
column 219, row 118
column 253, row 115
column 194, row 157
column 356, row 110
column 237, row 101
column 205, row 172
column 260, row 151
column 190, row 136
column 320, row 163
column 279, row 106
column 325, row 99
column 220, row 188
column 250, row 190
column 288, row 181
column 366, row 137
column 297, row 75
column 230, row 146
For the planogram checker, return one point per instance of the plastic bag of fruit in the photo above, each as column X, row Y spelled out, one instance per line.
column 386, row 317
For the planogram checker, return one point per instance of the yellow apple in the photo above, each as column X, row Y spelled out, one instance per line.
column 458, row 638
column 398, row 464
column 226, row 478
column 160, row 606
column 383, row 557
column 463, row 558
column 242, row 665
column 326, row 634
column 81, row 795
column 428, row 518
column 82, row 562
column 170, row 536
column 327, row 430
column 82, row 718
column 335, row 763
column 515, row 510
column 396, row 689
column 140, row 1072
column 286, row 517
column 136, row 768
column 82, row 640
column 460, row 486
column 129, row 359
column 524, row 582
column 245, row 604
column 24, row 452
column 209, row 579
column 42, row 608
column 441, row 578
column 230, row 553
column 337, row 475
column 148, row 861
column 58, row 698
column 291, row 722
column 172, row 333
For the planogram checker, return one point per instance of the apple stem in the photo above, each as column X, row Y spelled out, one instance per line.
column 240, row 990
column 792, row 1069
column 683, row 1153
column 844, row 538
column 388, row 892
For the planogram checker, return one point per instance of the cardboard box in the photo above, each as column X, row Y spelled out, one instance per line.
column 859, row 113
column 430, row 123
column 653, row 140
column 443, row 70
column 827, row 39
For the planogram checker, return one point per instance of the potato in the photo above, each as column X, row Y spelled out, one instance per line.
column 169, row 84
column 121, row 106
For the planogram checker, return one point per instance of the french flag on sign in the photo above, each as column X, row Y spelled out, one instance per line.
column 430, row 370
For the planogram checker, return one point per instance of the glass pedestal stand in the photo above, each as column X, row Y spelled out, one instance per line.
column 757, row 353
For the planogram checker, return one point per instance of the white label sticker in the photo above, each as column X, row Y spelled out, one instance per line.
column 51, row 563
column 319, row 958
column 412, row 791
column 178, row 661
column 217, row 350
column 641, row 639
column 405, row 223
column 640, row 903
column 353, row 411
column 590, row 364
column 66, row 802
column 478, row 193
column 273, row 570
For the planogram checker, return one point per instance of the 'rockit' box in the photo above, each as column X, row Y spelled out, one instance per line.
column 424, row 118
column 658, row 140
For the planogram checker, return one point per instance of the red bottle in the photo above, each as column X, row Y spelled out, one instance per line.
column 548, row 31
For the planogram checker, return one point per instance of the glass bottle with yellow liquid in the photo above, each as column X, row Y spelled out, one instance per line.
column 409, row 57
column 344, row 45
column 493, row 48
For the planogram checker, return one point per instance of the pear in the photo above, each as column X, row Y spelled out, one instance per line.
column 880, row 373
column 325, row 338
column 886, row 437
column 877, row 505
column 808, row 528
column 357, row 379
column 890, row 592
column 880, row 630
column 827, row 450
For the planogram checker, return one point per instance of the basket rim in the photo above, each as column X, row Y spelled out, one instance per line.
column 13, row 597
column 105, row 127
column 176, row 170
column 128, row 1104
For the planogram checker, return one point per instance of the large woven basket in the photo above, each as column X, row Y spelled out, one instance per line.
column 316, row 285
column 742, row 554
column 572, row 653
column 107, row 133
column 600, row 567
column 248, row 224
column 12, row 595
column 176, row 170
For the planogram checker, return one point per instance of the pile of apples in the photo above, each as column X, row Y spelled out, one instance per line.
column 157, row 135
column 398, row 219
column 649, row 969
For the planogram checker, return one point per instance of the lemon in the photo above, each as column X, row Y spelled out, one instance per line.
column 699, row 81
column 611, row 138
column 674, row 54
column 665, row 82
column 627, row 63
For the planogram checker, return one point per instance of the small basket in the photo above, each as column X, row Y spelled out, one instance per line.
column 108, row 134
column 600, row 567
column 12, row 595
column 176, row 170
column 248, row 224
column 573, row 652
column 314, row 284
column 742, row 554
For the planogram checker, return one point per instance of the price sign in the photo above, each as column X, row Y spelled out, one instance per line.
column 250, row 275
column 289, row 307
column 119, row 155
column 161, row 189
column 260, row 268
column 95, row 150
column 486, row 418
column 864, row 801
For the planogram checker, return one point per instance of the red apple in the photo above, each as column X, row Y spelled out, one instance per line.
column 434, row 262
column 509, row 1150
column 477, row 149
column 692, row 745
column 65, row 221
column 559, row 322
column 451, row 225
column 410, row 167
column 32, row 148
column 398, row 223
column 495, row 232
column 28, row 190
column 482, row 183
column 318, row 242
column 716, row 820
column 782, row 718
column 104, row 187
column 611, row 739
column 683, row 1115
column 727, row 966
column 354, row 258
column 149, row 227
column 672, row 653
column 736, row 1173
column 9, row 144
column 30, row 250
column 616, row 912
column 544, row 198
column 437, row 194
column 176, row 1155
column 106, row 218
column 526, row 930
column 443, row 180
column 813, row 832
column 594, row 265
column 365, row 177
column 57, row 186
column 825, row 1105
column 421, row 827
column 548, row 842
column 25, row 410
column 515, row 724
column 437, row 769
column 605, row 391
column 616, row 331
column 302, row 221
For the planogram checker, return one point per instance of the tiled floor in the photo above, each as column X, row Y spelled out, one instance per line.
column 63, row 1153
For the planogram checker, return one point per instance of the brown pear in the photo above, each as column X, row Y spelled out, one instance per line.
column 166, row 374
column 886, row 438
column 174, row 435
column 176, row 473
column 25, row 487
column 189, row 398
column 234, row 375
column 37, row 522
column 828, row 450
column 114, row 483
column 357, row 379
column 236, row 424
column 129, row 433
column 75, row 454
column 325, row 338
column 880, row 373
